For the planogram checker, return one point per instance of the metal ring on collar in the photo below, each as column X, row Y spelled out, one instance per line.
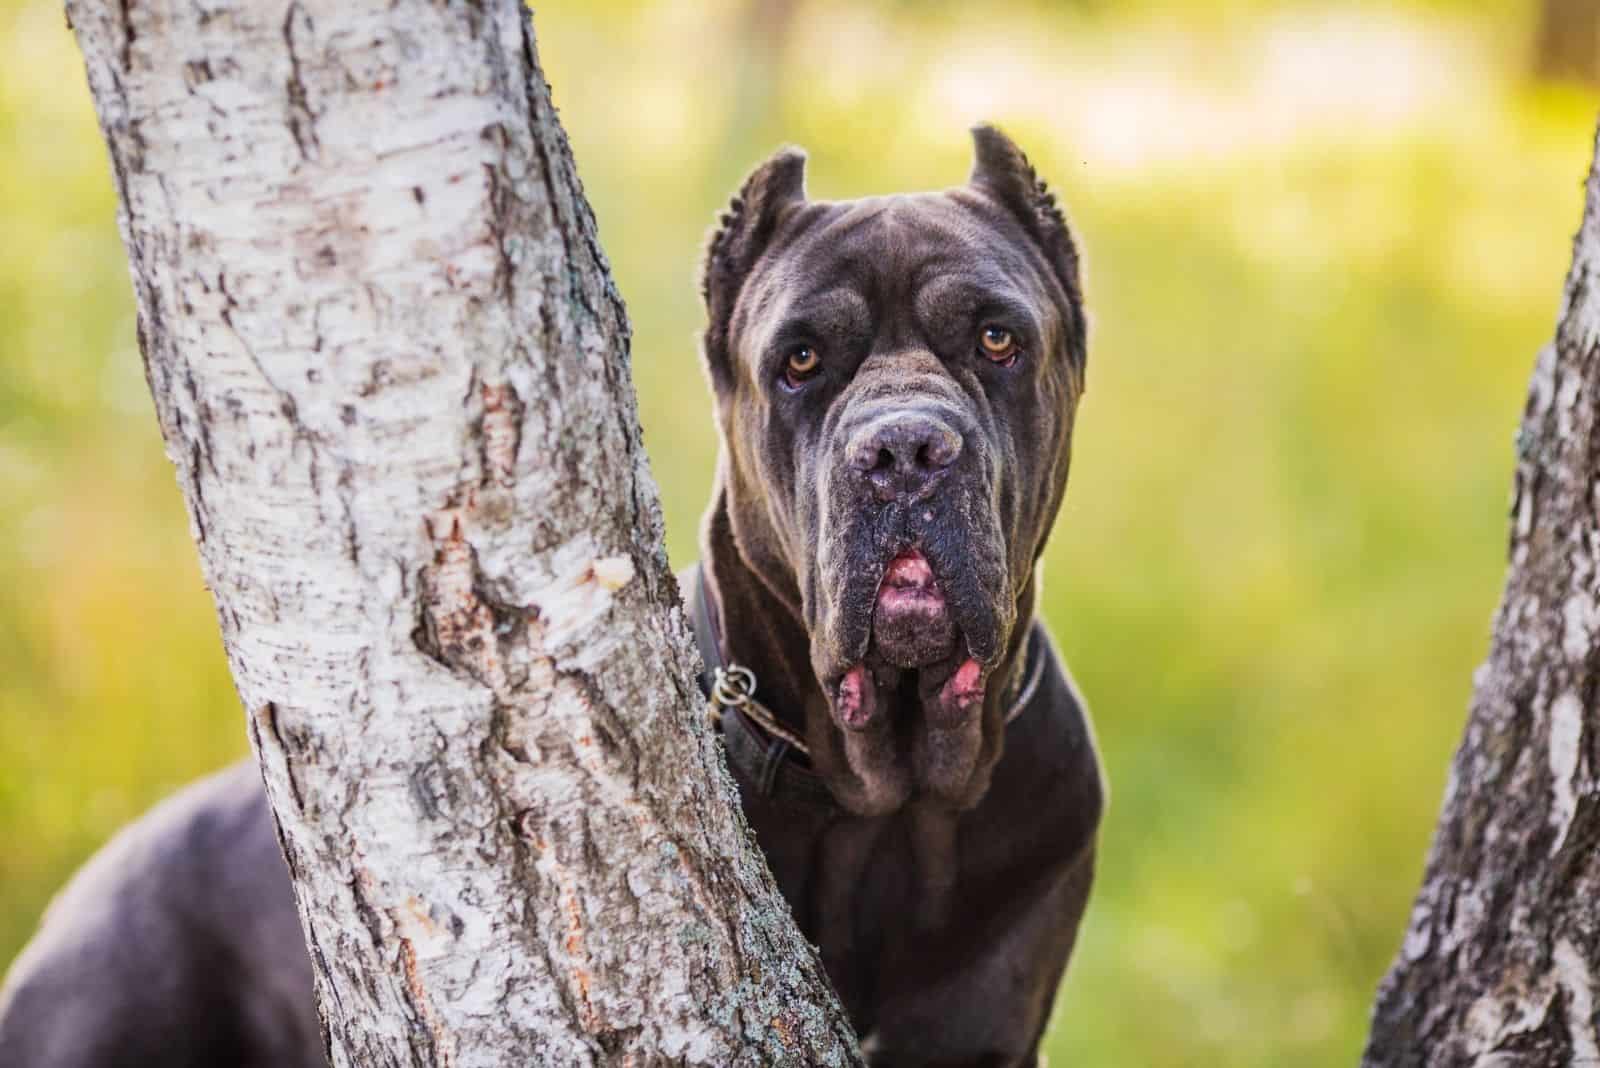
column 733, row 686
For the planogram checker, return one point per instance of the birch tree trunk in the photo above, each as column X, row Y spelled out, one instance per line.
column 391, row 370
column 1500, row 964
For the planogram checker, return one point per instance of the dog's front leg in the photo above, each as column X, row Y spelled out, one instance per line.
column 847, row 847
column 978, row 990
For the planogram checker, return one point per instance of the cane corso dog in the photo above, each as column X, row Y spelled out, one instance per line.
column 895, row 381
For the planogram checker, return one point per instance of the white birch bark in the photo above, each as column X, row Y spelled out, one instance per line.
column 1501, row 965
column 391, row 371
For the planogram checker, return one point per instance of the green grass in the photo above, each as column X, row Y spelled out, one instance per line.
column 1280, row 551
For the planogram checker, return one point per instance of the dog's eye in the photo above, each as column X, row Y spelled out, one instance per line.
column 803, row 363
column 998, row 344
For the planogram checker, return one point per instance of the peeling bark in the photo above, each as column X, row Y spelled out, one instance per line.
column 1501, row 963
column 391, row 371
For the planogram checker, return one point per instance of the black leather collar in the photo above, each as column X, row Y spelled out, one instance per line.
column 757, row 757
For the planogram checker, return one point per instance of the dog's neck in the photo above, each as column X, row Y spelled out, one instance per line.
column 756, row 627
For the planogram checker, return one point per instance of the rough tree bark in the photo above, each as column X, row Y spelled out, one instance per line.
column 391, row 370
column 1500, row 964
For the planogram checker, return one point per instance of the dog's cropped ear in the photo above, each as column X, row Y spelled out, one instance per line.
column 743, row 233
column 1001, row 170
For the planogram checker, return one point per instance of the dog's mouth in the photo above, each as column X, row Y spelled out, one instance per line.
column 911, row 624
column 913, row 629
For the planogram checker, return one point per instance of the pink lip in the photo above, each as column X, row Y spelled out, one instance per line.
column 909, row 570
column 908, row 584
column 909, row 587
column 855, row 704
column 965, row 687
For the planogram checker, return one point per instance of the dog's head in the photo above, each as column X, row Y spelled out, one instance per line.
column 896, row 379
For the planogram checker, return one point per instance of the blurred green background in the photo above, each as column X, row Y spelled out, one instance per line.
column 1324, row 242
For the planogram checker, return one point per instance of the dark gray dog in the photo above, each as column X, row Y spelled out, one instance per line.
column 895, row 382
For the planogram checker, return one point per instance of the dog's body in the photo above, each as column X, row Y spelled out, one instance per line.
column 972, row 982
column 177, row 944
column 895, row 381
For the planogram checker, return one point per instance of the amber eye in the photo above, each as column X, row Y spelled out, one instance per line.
column 803, row 363
column 997, row 343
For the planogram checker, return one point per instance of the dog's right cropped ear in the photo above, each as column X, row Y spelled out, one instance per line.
column 1000, row 169
column 743, row 233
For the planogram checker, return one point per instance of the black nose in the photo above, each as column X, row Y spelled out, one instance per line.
column 903, row 453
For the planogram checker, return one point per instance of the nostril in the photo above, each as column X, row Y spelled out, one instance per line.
column 885, row 460
column 940, row 450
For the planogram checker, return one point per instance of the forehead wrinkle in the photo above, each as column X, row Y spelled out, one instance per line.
column 888, row 248
column 1007, row 233
column 834, row 247
column 958, row 294
column 831, row 305
column 843, row 221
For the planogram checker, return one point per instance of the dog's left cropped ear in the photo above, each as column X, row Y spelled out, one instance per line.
column 1000, row 169
column 743, row 233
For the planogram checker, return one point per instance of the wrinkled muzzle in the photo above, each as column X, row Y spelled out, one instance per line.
column 910, row 567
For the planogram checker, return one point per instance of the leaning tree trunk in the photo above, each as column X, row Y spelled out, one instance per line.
column 391, row 370
column 1501, row 964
